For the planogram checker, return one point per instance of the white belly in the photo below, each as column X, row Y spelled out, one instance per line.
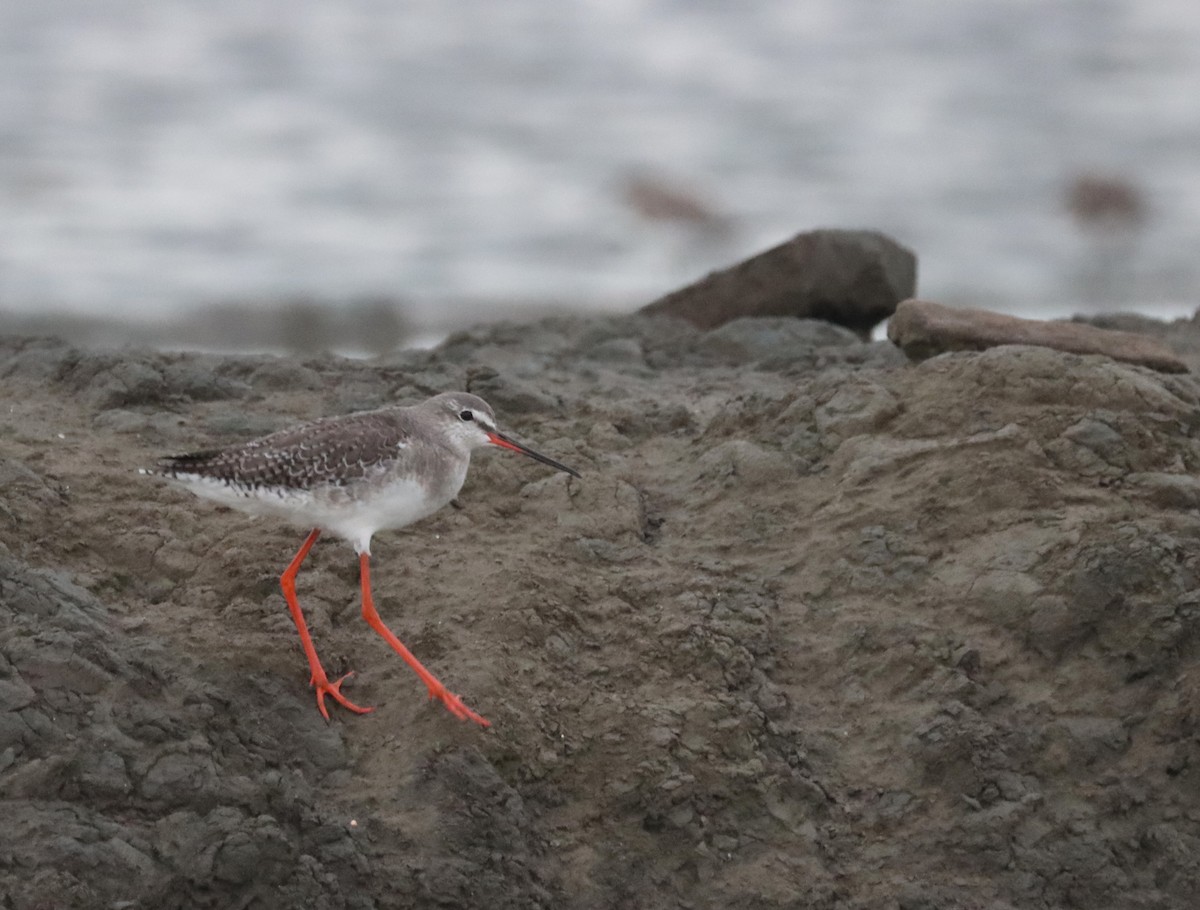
column 353, row 513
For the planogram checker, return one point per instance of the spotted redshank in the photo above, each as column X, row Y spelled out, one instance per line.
column 353, row 476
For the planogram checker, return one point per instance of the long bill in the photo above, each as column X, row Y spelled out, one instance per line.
column 499, row 439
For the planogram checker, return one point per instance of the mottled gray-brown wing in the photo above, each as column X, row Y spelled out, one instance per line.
column 334, row 451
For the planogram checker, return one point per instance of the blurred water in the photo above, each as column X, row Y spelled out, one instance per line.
column 158, row 155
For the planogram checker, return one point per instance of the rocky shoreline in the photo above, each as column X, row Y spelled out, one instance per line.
column 819, row 627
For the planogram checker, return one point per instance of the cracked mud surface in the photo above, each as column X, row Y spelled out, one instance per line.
column 818, row 628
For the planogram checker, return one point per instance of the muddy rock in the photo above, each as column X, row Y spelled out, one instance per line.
column 817, row 627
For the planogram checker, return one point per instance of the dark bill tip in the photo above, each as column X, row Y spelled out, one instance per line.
column 499, row 439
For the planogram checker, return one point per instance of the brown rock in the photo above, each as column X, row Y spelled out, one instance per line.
column 922, row 329
column 851, row 278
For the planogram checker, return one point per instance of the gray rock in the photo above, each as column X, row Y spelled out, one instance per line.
column 37, row 357
column 845, row 633
column 124, row 764
column 777, row 339
column 509, row 394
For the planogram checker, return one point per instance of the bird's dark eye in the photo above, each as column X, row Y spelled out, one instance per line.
column 466, row 415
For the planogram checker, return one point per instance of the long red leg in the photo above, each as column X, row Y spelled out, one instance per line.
column 324, row 687
column 436, row 689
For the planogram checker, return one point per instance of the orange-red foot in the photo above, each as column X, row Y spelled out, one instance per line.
column 334, row 690
column 455, row 705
